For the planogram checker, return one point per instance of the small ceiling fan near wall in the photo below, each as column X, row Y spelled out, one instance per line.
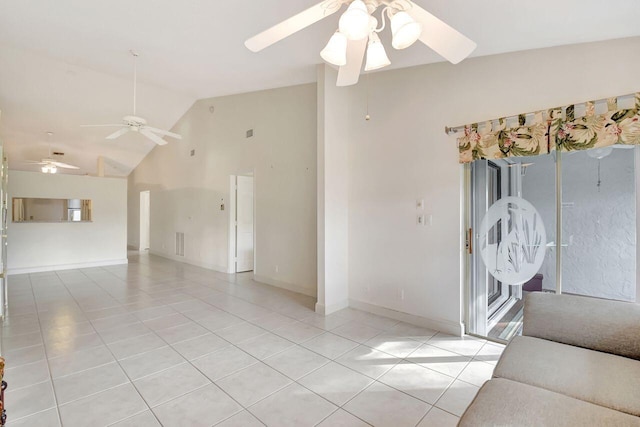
column 48, row 164
column 602, row 152
column 134, row 123
column 358, row 33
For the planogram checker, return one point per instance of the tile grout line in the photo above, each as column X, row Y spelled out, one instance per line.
column 44, row 349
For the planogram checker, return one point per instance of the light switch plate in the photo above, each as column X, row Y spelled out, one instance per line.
column 420, row 220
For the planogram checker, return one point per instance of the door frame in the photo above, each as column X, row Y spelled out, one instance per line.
column 483, row 317
column 231, row 257
column 147, row 221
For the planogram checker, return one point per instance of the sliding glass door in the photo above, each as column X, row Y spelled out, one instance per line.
column 514, row 205
column 511, row 248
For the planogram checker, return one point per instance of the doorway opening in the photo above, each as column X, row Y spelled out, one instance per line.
column 241, row 224
column 145, row 221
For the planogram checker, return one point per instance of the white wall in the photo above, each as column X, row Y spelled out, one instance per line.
column 599, row 224
column 402, row 154
column 186, row 192
column 49, row 246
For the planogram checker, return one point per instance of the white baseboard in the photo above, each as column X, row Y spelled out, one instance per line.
column 40, row 269
column 326, row 310
column 224, row 269
column 446, row 326
column 284, row 285
column 197, row 263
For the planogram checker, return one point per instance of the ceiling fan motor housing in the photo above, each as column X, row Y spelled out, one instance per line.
column 134, row 121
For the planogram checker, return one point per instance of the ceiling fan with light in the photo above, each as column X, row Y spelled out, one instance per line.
column 358, row 32
column 134, row 123
column 48, row 164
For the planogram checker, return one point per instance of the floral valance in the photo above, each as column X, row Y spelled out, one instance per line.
column 557, row 128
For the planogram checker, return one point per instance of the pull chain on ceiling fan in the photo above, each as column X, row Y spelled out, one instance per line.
column 602, row 152
column 134, row 123
column 358, row 33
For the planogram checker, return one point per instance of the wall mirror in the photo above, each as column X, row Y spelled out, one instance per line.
column 28, row 209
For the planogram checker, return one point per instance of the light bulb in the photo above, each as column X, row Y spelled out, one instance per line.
column 335, row 52
column 44, row 169
column 405, row 30
column 376, row 55
column 354, row 22
column 53, row 169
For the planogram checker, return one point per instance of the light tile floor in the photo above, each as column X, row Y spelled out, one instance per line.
column 157, row 342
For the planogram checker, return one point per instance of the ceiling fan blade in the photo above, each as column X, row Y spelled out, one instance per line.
column 163, row 132
column 34, row 162
column 64, row 165
column 152, row 136
column 292, row 25
column 439, row 36
column 118, row 133
column 100, row 126
column 350, row 74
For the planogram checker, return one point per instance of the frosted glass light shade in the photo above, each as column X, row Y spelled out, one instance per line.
column 354, row 22
column 44, row 169
column 53, row 169
column 405, row 30
column 376, row 55
column 335, row 52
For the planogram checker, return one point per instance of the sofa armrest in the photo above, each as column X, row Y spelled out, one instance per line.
column 597, row 324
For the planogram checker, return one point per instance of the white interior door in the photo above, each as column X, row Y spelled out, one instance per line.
column 244, row 224
column 145, row 198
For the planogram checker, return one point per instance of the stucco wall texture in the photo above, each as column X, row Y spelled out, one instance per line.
column 599, row 222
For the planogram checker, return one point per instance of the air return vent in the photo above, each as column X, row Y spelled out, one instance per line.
column 179, row 244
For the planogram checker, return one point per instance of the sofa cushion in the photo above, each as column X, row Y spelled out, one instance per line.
column 501, row 402
column 598, row 324
column 601, row 378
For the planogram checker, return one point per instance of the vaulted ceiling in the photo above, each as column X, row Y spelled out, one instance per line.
column 65, row 63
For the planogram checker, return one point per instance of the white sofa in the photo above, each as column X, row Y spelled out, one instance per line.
column 577, row 363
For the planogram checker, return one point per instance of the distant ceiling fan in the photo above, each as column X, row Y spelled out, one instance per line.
column 602, row 152
column 49, row 165
column 358, row 31
column 134, row 123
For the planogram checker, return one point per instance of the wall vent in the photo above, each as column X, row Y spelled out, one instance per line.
column 249, row 133
column 179, row 244
column 58, row 153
